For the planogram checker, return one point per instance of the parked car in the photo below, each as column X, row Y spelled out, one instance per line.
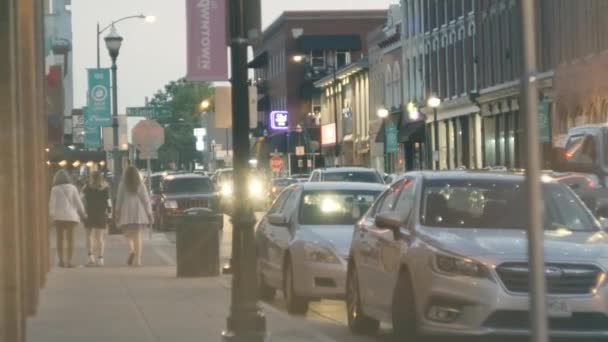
column 446, row 253
column 303, row 240
column 154, row 182
column 347, row 174
column 182, row 192
column 300, row 177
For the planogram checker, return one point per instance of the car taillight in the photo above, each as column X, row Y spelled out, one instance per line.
column 592, row 185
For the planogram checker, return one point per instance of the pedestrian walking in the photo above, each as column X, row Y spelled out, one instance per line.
column 66, row 211
column 133, row 212
column 97, row 204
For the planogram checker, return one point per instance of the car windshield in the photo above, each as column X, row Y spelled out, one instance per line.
column 499, row 205
column 343, row 207
column 188, row 185
column 355, row 176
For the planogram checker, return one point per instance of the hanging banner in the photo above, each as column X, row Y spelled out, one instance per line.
column 92, row 131
column 207, row 55
column 390, row 136
column 99, row 102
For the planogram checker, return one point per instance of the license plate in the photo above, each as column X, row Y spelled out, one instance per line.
column 558, row 308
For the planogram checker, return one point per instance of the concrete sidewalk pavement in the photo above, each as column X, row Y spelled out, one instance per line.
column 119, row 303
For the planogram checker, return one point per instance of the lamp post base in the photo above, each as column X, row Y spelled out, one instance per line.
column 246, row 329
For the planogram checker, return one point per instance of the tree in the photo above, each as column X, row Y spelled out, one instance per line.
column 183, row 99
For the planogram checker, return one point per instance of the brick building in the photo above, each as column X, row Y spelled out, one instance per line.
column 327, row 40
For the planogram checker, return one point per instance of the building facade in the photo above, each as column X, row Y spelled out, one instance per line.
column 345, row 96
column 324, row 41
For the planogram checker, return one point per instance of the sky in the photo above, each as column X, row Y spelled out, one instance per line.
column 154, row 54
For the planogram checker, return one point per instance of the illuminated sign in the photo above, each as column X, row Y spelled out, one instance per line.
column 328, row 134
column 279, row 120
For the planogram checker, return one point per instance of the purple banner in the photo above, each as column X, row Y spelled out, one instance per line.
column 207, row 50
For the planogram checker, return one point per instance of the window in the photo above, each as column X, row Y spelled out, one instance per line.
column 188, row 185
column 497, row 204
column 290, row 205
column 388, row 83
column 342, row 58
column 317, row 58
column 407, row 200
column 343, row 207
column 396, row 85
column 388, row 203
column 278, row 203
column 358, row 176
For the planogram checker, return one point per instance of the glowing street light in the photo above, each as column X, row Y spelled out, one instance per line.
column 412, row 111
column 382, row 113
column 433, row 102
column 205, row 104
column 298, row 58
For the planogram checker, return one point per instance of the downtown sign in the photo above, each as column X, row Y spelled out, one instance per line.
column 207, row 54
column 98, row 112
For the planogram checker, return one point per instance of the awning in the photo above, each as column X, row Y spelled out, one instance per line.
column 412, row 131
column 309, row 91
column 264, row 104
column 259, row 61
column 329, row 42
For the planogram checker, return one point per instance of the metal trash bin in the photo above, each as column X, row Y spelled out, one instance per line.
column 198, row 243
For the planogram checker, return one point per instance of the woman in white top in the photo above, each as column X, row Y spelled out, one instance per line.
column 133, row 212
column 66, row 210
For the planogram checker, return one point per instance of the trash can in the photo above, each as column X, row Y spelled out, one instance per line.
column 198, row 243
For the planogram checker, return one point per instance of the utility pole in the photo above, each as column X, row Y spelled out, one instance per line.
column 529, row 82
column 246, row 323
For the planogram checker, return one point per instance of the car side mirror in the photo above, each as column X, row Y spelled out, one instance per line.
column 389, row 220
column 388, row 179
column 277, row 219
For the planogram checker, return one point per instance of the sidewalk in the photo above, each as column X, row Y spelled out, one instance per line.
column 118, row 303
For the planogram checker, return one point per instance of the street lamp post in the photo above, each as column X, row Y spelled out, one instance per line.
column 147, row 18
column 382, row 113
column 113, row 43
column 434, row 103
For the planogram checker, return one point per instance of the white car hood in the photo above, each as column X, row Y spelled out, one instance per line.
column 509, row 244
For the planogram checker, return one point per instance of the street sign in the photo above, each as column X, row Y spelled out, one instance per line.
column 300, row 151
column 148, row 136
column 544, row 122
column 276, row 163
column 390, row 137
column 149, row 112
column 148, row 155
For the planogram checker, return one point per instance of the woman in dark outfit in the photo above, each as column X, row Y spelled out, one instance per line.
column 97, row 204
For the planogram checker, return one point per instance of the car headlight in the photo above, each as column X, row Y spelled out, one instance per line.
column 255, row 188
column 460, row 266
column 320, row 254
column 226, row 189
column 171, row 204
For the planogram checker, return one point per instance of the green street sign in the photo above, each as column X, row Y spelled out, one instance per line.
column 544, row 122
column 390, row 137
column 149, row 112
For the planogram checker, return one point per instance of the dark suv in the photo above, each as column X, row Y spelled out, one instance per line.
column 182, row 192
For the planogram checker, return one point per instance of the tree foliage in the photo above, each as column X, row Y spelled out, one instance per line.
column 183, row 99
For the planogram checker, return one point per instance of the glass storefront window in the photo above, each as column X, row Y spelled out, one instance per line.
column 489, row 136
column 443, row 146
column 451, row 144
column 501, row 140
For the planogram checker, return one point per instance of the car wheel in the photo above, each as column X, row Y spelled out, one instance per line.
column 296, row 305
column 404, row 310
column 267, row 293
column 358, row 322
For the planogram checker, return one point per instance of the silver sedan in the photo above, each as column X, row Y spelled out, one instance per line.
column 304, row 239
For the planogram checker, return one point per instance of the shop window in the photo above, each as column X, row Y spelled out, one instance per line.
column 317, row 58
column 342, row 58
column 489, row 138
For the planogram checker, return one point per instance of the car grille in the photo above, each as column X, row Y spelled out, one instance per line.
column 561, row 278
column 192, row 203
column 520, row 320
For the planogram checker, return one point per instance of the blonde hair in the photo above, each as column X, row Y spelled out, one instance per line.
column 131, row 179
column 61, row 177
column 97, row 181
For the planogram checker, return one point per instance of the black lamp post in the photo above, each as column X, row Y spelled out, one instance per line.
column 113, row 43
column 147, row 18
